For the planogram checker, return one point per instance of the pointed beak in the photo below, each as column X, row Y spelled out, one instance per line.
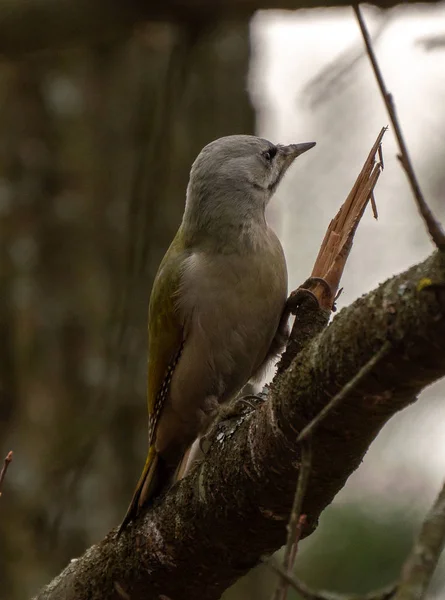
column 294, row 150
column 286, row 156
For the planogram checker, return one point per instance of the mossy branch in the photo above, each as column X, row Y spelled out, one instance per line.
column 233, row 508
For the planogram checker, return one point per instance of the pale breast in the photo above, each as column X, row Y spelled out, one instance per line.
column 232, row 305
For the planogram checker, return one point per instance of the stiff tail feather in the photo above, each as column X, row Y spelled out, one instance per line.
column 189, row 458
column 156, row 477
column 181, row 469
column 147, row 487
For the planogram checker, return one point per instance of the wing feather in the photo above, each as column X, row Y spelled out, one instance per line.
column 166, row 333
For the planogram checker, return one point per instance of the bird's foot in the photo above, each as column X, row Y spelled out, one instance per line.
column 304, row 293
column 232, row 410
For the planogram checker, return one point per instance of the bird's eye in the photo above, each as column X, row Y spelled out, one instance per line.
column 270, row 153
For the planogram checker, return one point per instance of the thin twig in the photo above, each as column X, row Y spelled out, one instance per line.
column 347, row 389
column 294, row 531
column 434, row 229
column 300, row 526
column 295, row 523
column 310, row 594
column 416, row 574
column 419, row 568
column 6, row 463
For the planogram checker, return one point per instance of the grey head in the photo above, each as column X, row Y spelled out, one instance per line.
column 232, row 181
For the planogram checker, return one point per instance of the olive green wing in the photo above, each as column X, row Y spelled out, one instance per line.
column 166, row 333
column 164, row 349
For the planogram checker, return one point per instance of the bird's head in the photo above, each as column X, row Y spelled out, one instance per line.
column 234, row 177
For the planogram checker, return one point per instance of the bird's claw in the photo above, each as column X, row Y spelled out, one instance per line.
column 247, row 400
column 202, row 440
column 312, row 281
column 230, row 411
column 237, row 406
column 303, row 293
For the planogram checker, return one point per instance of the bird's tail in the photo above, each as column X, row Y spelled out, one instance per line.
column 157, row 476
column 182, row 468
column 149, row 485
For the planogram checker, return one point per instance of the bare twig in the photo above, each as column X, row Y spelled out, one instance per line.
column 6, row 463
column 416, row 573
column 305, row 439
column 296, row 520
column 300, row 526
column 419, row 568
column 434, row 229
column 309, row 594
column 343, row 393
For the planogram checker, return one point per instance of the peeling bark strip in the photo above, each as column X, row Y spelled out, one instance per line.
column 233, row 508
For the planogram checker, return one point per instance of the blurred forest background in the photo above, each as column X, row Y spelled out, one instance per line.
column 96, row 142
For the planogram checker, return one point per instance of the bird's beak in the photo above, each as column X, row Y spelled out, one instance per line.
column 286, row 156
column 294, row 150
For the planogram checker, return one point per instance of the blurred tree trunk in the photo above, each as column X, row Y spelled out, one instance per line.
column 95, row 149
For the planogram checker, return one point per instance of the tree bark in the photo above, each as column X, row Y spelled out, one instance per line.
column 232, row 509
column 28, row 25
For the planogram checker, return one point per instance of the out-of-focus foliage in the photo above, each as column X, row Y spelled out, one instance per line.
column 95, row 148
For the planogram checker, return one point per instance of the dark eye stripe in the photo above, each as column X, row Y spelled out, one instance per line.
column 270, row 153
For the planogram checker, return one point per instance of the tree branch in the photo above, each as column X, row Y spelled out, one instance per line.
column 296, row 519
column 309, row 594
column 29, row 25
column 434, row 229
column 419, row 568
column 416, row 573
column 214, row 525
